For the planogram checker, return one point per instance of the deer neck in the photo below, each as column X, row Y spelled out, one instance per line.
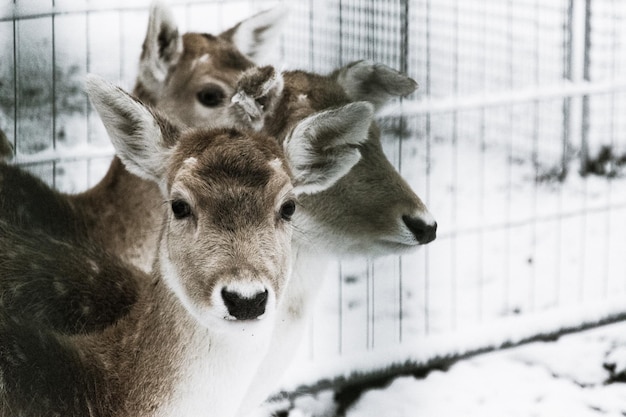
column 123, row 212
column 308, row 271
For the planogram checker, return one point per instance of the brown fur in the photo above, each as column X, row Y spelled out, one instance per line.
column 137, row 365
column 58, row 285
column 359, row 210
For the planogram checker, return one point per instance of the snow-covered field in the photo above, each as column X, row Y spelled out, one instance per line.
column 568, row 377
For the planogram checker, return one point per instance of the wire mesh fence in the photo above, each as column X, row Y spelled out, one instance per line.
column 514, row 140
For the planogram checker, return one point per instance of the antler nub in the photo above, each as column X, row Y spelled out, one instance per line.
column 257, row 91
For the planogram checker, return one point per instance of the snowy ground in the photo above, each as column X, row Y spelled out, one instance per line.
column 567, row 377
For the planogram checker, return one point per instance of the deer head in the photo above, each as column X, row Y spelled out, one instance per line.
column 225, row 245
column 371, row 209
column 191, row 76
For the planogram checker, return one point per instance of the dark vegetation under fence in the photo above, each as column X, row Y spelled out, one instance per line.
column 607, row 163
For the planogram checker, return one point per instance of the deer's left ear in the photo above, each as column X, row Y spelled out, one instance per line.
column 142, row 138
column 258, row 35
column 162, row 48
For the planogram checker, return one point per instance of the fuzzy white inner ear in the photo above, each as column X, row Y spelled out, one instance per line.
column 275, row 82
column 133, row 130
column 153, row 68
column 256, row 36
column 320, row 149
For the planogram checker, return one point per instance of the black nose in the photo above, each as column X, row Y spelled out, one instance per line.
column 423, row 232
column 244, row 308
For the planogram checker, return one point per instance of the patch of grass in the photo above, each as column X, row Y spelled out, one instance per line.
column 607, row 163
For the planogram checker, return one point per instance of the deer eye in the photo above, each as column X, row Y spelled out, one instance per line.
column 180, row 209
column 211, row 95
column 287, row 210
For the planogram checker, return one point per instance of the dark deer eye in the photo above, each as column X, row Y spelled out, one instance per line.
column 211, row 95
column 287, row 210
column 181, row 209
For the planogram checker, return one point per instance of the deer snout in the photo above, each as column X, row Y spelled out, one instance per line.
column 424, row 232
column 244, row 305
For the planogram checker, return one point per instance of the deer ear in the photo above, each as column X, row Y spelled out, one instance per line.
column 142, row 138
column 257, row 93
column 258, row 35
column 324, row 147
column 162, row 48
column 373, row 82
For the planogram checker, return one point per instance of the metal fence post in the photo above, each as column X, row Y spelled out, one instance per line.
column 567, row 75
column 584, row 139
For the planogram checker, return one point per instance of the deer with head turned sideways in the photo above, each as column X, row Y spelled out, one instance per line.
column 192, row 339
column 370, row 210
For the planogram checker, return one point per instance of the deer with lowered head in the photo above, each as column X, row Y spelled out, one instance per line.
column 191, row 340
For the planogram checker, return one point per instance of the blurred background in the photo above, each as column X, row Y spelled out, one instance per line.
column 515, row 140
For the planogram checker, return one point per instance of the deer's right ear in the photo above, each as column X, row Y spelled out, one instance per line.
column 143, row 139
column 162, row 48
column 258, row 35
column 324, row 147
column 373, row 82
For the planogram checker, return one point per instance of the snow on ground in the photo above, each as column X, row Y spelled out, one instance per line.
column 543, row 379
